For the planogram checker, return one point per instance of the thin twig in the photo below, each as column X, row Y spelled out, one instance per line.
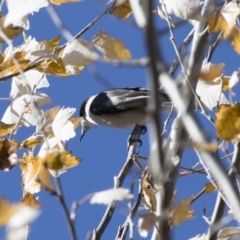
column 181, row 49
column 122, row 232
column 59, row 195
column 213, row 47
column 107, row 10
column 97, row 233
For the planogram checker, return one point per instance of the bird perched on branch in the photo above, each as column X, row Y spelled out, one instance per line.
column 119, row 108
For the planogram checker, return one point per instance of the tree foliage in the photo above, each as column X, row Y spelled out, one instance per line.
column 202, row 90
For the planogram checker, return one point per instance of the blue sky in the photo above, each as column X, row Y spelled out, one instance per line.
column 103, row 150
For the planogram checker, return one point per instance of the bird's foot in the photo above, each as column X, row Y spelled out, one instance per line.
column 135, row 135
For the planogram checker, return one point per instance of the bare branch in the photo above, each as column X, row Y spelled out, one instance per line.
column 97, row 233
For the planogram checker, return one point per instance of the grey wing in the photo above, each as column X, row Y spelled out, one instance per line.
column 118, row 100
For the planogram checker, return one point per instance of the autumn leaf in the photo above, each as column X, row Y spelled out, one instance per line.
column 30, row 201
column 9, row 30
column 8, row 156
column 59, row 2
column 181, row 212
column 145, row 223
column 77, row 54
column 229, row 233
column 209, row 147
column 110, row 47
column 107, row 196
column 211, row 71
column 228, row 121
column 122, row 11
column 6, row 129
column 7, row 211
column 148, row 194
column 56, row 160
column 30, row 169
column 32, row 142
column 225, row 21
column 209, row 187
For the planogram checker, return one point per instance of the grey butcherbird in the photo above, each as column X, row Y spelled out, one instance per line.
column 119, row 108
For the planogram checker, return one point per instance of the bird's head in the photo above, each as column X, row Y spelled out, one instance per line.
column 86, row 125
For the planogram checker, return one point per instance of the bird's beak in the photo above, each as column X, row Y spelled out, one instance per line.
column 85, row 127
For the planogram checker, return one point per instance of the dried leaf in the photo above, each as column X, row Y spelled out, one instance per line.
column 110, row 47
column 107, row 196
column 229, row 233
column 145, row 223
column 8, row 156
column 75, row 121
column 32, row 142
column 209, row 188
column 9, row 30
column 54, row 160
column 211, row 71
column 45, row 179
column 30, row 170
column 122, row 11
column 30, row 201
column 148, row 194
column 209, row 147
column 7, row 211
column 225, row 21
column 181, row 213
column 210, row 94
column 6, row 129
column 59, row 2
column 228, row 121
column 184, row 9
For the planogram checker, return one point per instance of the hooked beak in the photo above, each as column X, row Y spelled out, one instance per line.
column 85, row 127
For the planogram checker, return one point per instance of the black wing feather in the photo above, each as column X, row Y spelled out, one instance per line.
column 118, row 100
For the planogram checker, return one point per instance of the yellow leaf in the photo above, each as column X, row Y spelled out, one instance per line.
column 30, row 170
column 123, row 11
column 76, row 121
column 58, row 2
column 228, row 121
column 7, row 211
column 45, row 179
column 10, row 31
column 180, row 212
column 224, row 21
column 229, row 233
column 54, row 67
column 110, row 47
column 235, row 39
column 209, row 187
column 71, row 161
column 30, row 201
column 6, row 129
column 148, row 194
column 8, row 156
column 209, row 147
column 31, row 142
column 51, row 113
column 145, row 223
column 52, row 43
column 54, row 160
column 211, row 71
column 8, row 67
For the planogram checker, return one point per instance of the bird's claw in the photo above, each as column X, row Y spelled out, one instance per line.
column 143, row 129
column 132, row 140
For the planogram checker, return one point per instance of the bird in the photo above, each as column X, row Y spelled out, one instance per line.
column 119, row 108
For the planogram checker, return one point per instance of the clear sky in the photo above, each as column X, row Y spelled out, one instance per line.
column 103, row 150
